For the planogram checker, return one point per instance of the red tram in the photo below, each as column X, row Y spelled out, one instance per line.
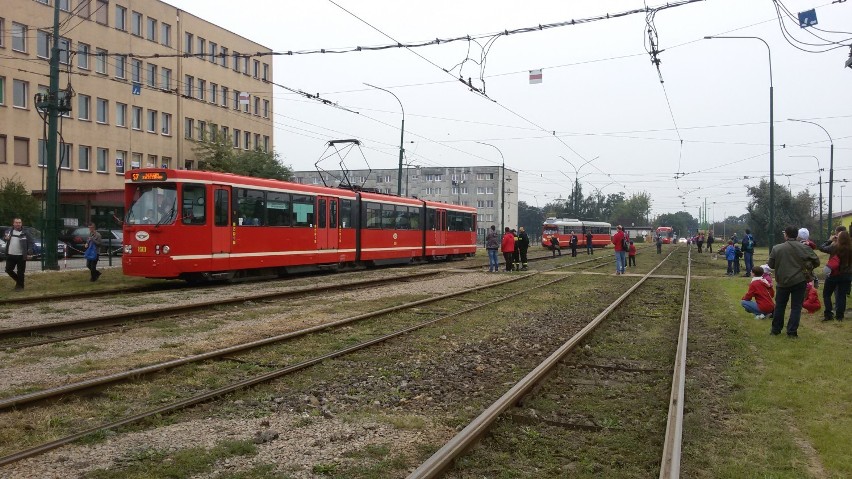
column 562, row 229
column 667, row 234
column 198, row 225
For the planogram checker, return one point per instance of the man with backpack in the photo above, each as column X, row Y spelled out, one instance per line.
column 622, row 245
column 748, row 252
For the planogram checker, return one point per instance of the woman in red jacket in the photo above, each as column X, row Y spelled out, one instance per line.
column 507, row 246
column 762, row 292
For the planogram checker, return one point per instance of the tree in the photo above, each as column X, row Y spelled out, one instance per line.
column 531, row 218
column 216, row 154
column 789, row 210
column 16, row 201
column 681, row 222
column 631, row 211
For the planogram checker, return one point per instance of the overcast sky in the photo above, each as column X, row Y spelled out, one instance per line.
column 600, row 97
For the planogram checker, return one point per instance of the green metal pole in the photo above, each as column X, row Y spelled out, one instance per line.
column 51, row 226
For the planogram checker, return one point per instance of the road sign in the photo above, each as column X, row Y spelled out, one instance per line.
column 807, row 18
column 136, row 89
column 119, row 163
column 244, row 98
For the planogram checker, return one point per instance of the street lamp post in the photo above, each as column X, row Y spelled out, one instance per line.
column 401, row 137
column 830, row 174
column 819, row 170
column 502, row 186
column 575, row 201
column 771, row 234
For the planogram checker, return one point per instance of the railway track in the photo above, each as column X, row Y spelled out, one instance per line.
column 443, row 459
column 98, row 383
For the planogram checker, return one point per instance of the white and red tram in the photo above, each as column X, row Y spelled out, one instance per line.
column 563, row 227
column 197, row 225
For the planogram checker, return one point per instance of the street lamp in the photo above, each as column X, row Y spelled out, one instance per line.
column 401, row 136
column 574, row 199
column 771, row 234
column 830, row 173
column 502, row 186
column 819, row 170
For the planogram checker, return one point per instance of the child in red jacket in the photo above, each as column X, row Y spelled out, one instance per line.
column 631, row 255
column 811, row 303
column 762, row 292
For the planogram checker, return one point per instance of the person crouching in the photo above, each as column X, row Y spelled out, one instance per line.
column 758, row 299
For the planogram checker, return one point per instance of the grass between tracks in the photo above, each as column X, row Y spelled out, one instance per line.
column 780, row 408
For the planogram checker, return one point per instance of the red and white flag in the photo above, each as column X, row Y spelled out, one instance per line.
column 535, row 76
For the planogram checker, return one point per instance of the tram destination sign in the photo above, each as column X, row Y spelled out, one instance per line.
column 149, row 176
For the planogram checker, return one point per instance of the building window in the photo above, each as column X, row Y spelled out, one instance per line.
column 84, row 104
column 121, row 115
column 188, row 164
column 202, row 47
column 246, row 140
column 265, row 143
column 266, row 108
column 19, row 37
column 64, row 156
column 256, row 71
column 102, row 113
column 189, row 85
column 166, row 34
column 152, row 29
column 202, row 88
column 188, row 39
column 136, row 24
column 136, row 71
column 102, row 12
column 265, row 72
column 84, row 158
column 223, row 58
column 83, row 56
column 226, row 134
column 65, row 5
column 152, row 75
column 237, row 134
column 484, row 176
column 42, row 44
column 225, row 96
column 152, row 161
column 101, row 61
column 188, row 126
column 84, row 9
column 22, row 151
column 2, row 33
column 2, row 90
column 120, row 18
column 245, row 65
column 166, row 82
column 236, row 99
column 103, row 156
column 136, row 118
column 152, row 121
column 20, row 93
column 256, row 106
column 135, row 160
column 120, row 158
column 167, row 124
column 202, row 130
column 214, row 50
column 257, row 143
column 214, row 93
column 120, row 66
column 236, row 61
column 434, row 177
column 489, row 190
column 166, row 162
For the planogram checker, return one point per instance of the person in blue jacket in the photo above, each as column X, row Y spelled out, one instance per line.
column 731, row 256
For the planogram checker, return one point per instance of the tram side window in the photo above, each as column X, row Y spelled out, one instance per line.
column 372, row 217
column 278, row 211
column 346, row 214
column 388, row 216
column 414, row 217
column 431, row 219
column 459, row 221
column 193, row 205
column 251, row 207
column 401, row 220
column 303, row 210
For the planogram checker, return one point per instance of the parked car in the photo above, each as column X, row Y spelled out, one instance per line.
column 38, row 251
column 76, row 238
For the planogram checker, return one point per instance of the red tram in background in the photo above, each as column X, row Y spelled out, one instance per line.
column 562, row 229
column 199, row 225
column 667, row 233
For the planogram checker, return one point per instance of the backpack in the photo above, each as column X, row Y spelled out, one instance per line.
column 749, row 244
column 625, row 243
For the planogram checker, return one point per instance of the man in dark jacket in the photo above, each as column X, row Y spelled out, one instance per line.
column 523, row 245
column 590, row 248
column 19, row 245
column 790, row 260
column 748, row 252
column 573, row 243
column 492, row 244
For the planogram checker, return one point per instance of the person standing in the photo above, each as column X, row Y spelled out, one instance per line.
column 590, row 247
column 516, row 254
column 839, row 279
column 523, row 245
column 790, row 260
column 631, row 254
column 731, row 256
column 618, row 241
column 554, row 245
column 710, row 242
column 659, row 241
column 700, row 241
column 492, row 244
column 507, row 246
column 573, row 243
column 93, row 245
column 748, row 252
column 19, row 245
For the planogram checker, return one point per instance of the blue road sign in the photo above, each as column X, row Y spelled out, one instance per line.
column 119, row 163
column 807, row 18
column 136, row 89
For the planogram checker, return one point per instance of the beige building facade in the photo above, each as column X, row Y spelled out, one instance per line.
column 145, row 79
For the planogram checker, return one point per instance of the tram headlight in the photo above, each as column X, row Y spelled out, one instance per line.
column 128, row 249
column 166, row 249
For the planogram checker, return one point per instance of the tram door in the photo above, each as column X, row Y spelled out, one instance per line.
column 327, row 219
column 441, row 228
column 221, row 243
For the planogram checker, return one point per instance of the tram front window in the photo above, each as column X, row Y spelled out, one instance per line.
column 153, row 205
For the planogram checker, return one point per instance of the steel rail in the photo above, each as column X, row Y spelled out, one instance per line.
column 670, row 464
column 443, row 458
column 36, row 450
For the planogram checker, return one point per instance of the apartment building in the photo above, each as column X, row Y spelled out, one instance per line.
column 146, row 80
column 477, row 186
